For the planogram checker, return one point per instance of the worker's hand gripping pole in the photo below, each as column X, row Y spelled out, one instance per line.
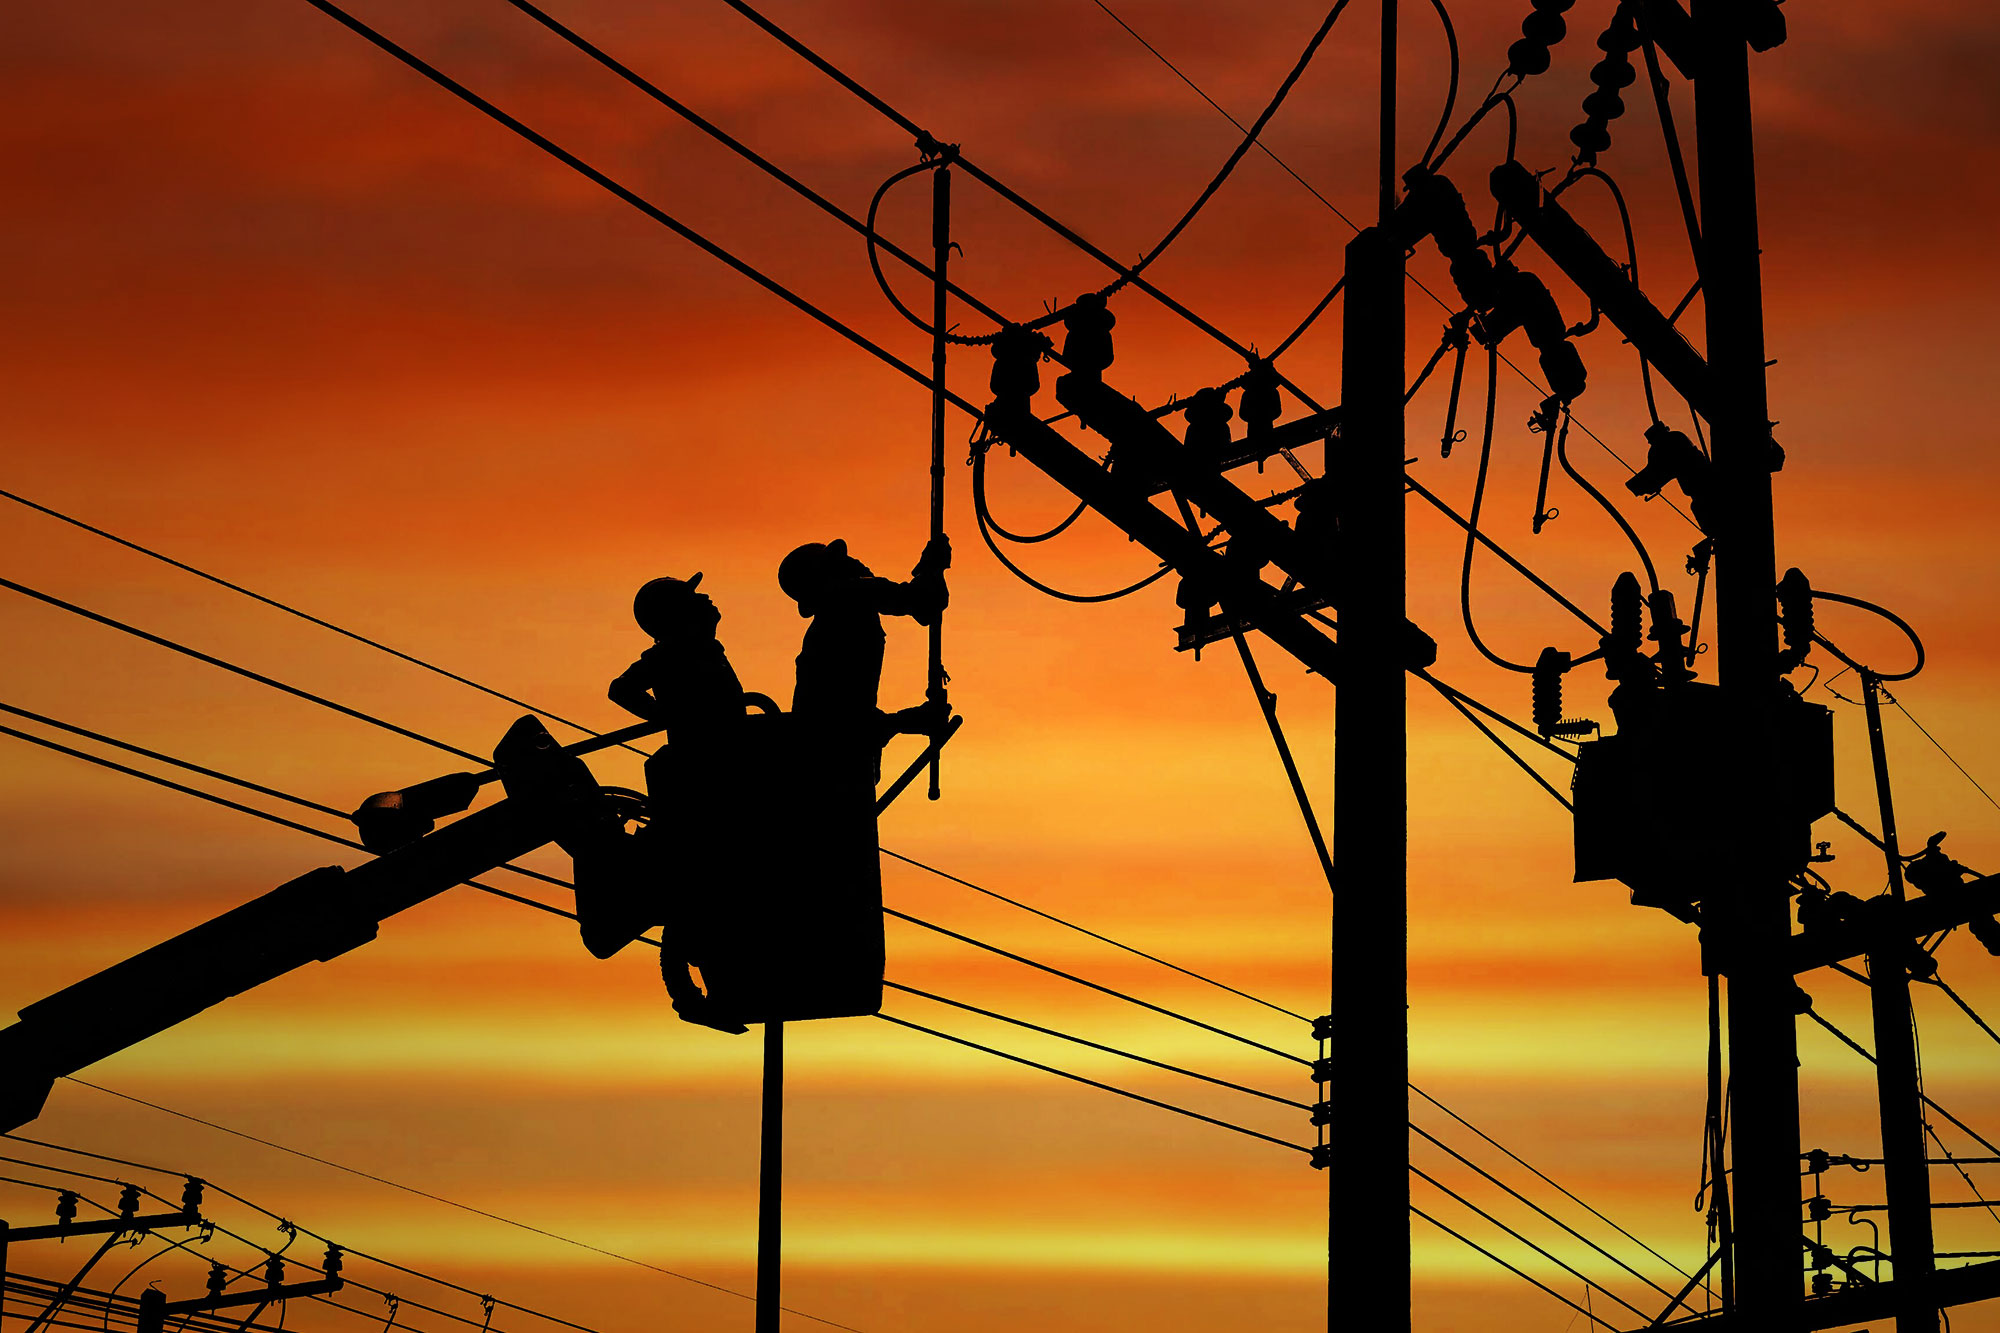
column 941, row 251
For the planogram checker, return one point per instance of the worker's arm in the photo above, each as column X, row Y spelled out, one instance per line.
column 629, row 692
column 924, row 597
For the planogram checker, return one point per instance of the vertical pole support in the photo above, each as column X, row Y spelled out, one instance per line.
column 1369, row 1225
column 1748, row 911
column 940, row 256
column 771, row 1180
column 1905, row 1171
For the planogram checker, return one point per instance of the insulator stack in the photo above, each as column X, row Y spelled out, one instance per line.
column 1017, row 373
column 1259, row 405
column 1668, row 631
column 1612, row 74
column 1548, row 697
column 1208, row 417
column 1432, row 206
column 1525, row 303
column 1087, row 348
column 1542, row 29
column 1795, row 619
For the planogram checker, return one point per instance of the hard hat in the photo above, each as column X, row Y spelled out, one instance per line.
column 800, row 573
column 661, row 600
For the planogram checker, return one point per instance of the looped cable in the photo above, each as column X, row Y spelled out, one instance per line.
column 1820, row 594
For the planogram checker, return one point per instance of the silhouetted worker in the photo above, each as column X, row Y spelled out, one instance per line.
column 684, row 679
column 840, row 662
column 658, row 877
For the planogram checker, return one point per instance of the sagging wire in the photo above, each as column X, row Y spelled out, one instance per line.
column 984, row 521
column 1821, row 595
column 1582, row 172
column 1472, row 520
column 1562, row 456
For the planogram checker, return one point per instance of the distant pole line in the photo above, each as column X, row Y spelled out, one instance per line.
column 376, row 1179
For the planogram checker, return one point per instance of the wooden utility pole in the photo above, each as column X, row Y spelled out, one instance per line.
column 1747, row 918
column 1899, row 1098
column 771, row 1181
column 1369, row 1222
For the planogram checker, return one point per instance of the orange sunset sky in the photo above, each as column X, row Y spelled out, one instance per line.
column 281, row 309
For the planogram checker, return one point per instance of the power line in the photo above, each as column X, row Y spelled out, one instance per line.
column 1084, row 930
column 645, row 206
column 1941, row 750
column 1472, row 1244
column 1064, row 1073
column 1094, row 1045
column 1572, row 1198
column 1482, row 1213
column 1261, row 145
column 1865, row 1054
column 265, row 815
column 288, row 609
column 1490, row 1177
column 245, row 783
column 244, row 671
column 1071, row 976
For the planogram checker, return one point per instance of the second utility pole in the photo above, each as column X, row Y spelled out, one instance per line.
column 1369, row 1226
column 1747, row 922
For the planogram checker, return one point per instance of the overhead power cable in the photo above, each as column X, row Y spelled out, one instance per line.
column 243, row 671
column 1869, row 1056
column 1079, row 1078
column 244, row 783
column 252, row 810
column 1093, row 1045
column 1576, row 1273
column 1546, row 1180
column 637, row 201
column 1474, row 1245
column 1085, row 930
column 1096, row 986
column 307, row 616
column 1545, row 1213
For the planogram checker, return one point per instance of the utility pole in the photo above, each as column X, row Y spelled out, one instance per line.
column 1369, row 1228
column 1747, row 919
column 771, row 1180
column 1906, row 1173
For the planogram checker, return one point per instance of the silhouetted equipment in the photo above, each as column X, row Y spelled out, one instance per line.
column 1612, row 74
column 155, row 1308
column 1550, row 668
column 1017, row 365
column 1795, row 620
column 1207, row 436
column 1258, row 404
column 129, row 1221
column 1504, row 296
column 390, row 819
column 1647, row 811
column 1603, row 280
column 1542, row 29
column 775, row 889
column 1672, row 456
column 1087, row 348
